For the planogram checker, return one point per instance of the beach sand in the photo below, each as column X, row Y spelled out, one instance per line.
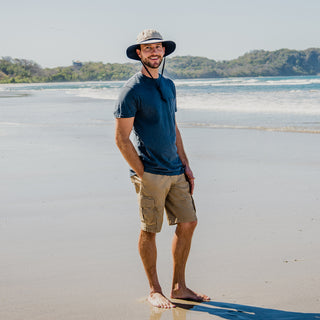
column 69, row 225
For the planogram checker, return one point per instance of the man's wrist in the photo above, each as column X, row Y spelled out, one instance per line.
column 140, row 173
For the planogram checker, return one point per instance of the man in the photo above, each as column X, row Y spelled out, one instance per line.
column 160, row 169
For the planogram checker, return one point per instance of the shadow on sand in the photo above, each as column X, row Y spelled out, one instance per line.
column 237, row 311
column 230, row 311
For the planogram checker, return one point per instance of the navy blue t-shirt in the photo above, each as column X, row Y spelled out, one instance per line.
column 154, row 122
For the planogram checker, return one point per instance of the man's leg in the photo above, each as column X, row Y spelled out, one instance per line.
column 180, row 250
column 148, row 253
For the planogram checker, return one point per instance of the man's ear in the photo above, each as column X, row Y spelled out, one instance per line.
column 138, row 51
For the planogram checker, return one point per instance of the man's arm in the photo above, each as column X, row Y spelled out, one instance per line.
column 122, row 135
column 184, row 160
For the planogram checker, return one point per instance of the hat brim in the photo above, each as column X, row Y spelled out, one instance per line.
column 169, row 45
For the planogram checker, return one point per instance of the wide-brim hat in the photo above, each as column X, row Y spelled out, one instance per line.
column 150, row 36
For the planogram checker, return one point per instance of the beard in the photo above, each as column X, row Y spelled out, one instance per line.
column 152, row 64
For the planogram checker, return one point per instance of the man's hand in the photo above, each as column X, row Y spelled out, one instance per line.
column 189, row 175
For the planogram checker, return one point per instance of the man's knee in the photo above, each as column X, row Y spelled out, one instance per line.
column 192, row 225
column 147, row 236
column 187, row 226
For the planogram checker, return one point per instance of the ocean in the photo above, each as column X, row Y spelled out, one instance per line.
column 290, row 104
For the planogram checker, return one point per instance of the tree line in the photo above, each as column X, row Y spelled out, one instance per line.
column 283, row 62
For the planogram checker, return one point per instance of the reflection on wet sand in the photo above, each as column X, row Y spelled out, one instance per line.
column 13, row 95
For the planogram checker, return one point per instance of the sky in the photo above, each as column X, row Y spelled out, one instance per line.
column 53, row 33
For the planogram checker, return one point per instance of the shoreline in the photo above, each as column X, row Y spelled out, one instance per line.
column 258, row 128
column 17, row 84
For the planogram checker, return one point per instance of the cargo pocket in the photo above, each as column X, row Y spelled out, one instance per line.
column 147, row 211
column 136, row 183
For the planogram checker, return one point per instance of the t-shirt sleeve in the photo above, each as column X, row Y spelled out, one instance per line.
column 126, row 105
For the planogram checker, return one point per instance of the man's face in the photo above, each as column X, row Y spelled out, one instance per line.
column 151, row 54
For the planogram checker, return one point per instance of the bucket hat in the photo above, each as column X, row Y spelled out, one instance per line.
column 150, row 36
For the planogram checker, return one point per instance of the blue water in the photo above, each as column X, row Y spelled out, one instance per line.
column 266, row 103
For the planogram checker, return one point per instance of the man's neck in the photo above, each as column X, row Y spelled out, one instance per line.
column 153, row 72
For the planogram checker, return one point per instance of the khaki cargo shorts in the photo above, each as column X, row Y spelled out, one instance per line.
column 158, row 192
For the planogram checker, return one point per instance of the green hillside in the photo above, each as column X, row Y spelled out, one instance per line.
column 282, row 62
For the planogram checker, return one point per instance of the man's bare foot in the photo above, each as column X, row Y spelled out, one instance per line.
column 159, row 300
column 187, row 294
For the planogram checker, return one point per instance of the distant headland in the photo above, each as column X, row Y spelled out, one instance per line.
column 283, row 62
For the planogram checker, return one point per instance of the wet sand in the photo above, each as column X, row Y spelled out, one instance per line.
column 69, row 225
